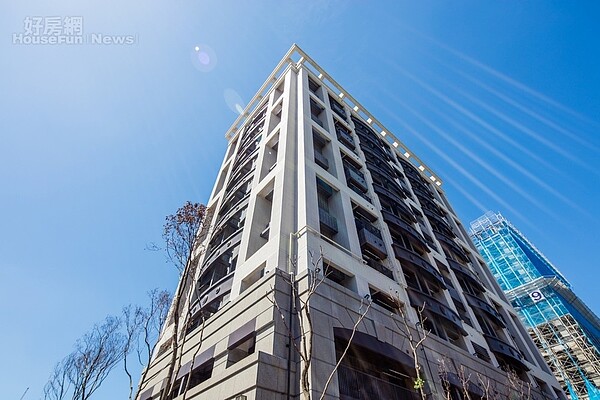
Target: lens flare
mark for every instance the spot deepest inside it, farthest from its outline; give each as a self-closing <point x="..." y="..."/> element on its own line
<point x="203" y="58"/>
<point x="234" y="101"/>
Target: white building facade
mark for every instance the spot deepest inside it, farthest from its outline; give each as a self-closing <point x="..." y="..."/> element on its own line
<point x="319" y="208"/>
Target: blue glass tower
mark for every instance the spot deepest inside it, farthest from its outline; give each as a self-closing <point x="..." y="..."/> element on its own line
<point x="565" y="330"/>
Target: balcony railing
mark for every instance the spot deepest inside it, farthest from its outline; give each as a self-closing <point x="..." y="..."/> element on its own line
<point x="337" y="108"/>
<point x="433" y="305"/>
<point x="507" y="352"/>
<point x="397" y="224"/>
<point x="374" y="150"/>
<point x="441" y="221"/>
<point x="466" y="273"/>
<point x="356" y="177"/>
<point x="382" y="167"/>
<point x="394" y="194"/>
<point x="369" y="238"/>
<point x="420" y="263"/>
<point x="317" y="119"/>
<point x="321" y="160"/>
<point x="328" y="221"/>
<point x="345" y="137"/>
<point x="358" y="385"/>
<point x="379" y="267"/>
<point x="419" y="192"/>
<point x="453" y="245"/>
<point x="482" y="305"/>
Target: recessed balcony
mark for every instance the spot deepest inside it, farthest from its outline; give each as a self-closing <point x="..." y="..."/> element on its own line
<point x="337" y="108"/>
<point x="409" y="169"/>
<point x="328" y="222"/>
<point x="370" y="240"/>
<point x="482" y="305"/>
<point x="373" y="150"/>
<point x="345" y="137"/>
<point x="368" y="136"/>
<point x="506" y="352"/>
<point x="420" y="193"/>
<point x="433" y="305"/>
<point x="356" y="178"/>
<point x="321" y="160"/>
<point x="452" y="245"/>
<point x="405" y="255"/>
<point x="393" y="193"/>
<point x="397" y="224"/>
<point x="441" y="222"/>
<point x="383" y="168"/>
<point x="466" y="273"/>
<point x="379" y="267"/>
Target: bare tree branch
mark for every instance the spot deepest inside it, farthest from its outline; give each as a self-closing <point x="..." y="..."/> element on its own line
<point x="95" y="355"/>
<point x="180" y="233"/>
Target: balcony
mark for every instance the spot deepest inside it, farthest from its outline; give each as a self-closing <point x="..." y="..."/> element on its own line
<point x="409" y="169"/>
<point x="321" y="160"/>
<point x="328" y="222"/>
<point x="506" y="352"/>
<point x="368" y="137"/>
<point x="345" y="137"/>
<point x="397" y="224"/>
<point x="228" y="243"/>
<point x="482" y="305"/>
<point x="375" y="151"/>
<point x="370" y="240"/>
<point x="394" y="196"/>
<point x="430" y="205"/>
<point x="359" y="191"/>
<point x="379" y="267"/>
<point x="356" y="178"/>
<point x="213" y="273"/>
<point x="440" y="221"/>
<point x="337" y="108"/>
<point x="358" y="385"/>
<point x="420" y="263"/>
<point x="466" y="273"/>
<point x="420" y="299"/>
<point x="420" y="192"/>
<point x="383" y="168"/>
<point x="453" y="246"/>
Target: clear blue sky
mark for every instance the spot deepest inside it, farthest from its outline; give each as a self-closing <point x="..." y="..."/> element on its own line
<point x="99" y="143"/>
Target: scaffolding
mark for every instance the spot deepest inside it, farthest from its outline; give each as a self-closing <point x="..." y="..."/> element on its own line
<point x="545" y="303"/>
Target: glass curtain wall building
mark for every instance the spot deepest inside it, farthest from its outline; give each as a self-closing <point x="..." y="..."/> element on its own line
<point x="565" y="330"/>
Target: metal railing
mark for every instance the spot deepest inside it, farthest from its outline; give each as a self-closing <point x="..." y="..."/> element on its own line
<point x="358" y="385"/>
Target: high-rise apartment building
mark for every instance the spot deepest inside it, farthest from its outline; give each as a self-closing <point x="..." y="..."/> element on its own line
<point x="565" y="330"/>
<point x="324" y="238"/>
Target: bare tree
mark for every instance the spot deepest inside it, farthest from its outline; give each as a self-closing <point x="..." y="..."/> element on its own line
<point x="517" y="388"/>
<point x="180" y="233"/>
<point x="486" y="385"/>
<point x="153" y="319"/>
<point x="57" y="387"/>
<point x="303" y="345"/>
<point x="443" y="372"/>
<point x="198" y="347"/>
<point x="362" y="314"/>
<point x="414" y="342"/>
<point x="133" y="318"/>
<point x="95" y="355"/>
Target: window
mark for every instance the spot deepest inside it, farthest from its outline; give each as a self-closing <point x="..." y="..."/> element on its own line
<point x="385" y="300"/>
<point x="241" y="351"/>
<point x="202" y="373"/>
<point x="241" y="343"/>
<point x="335" y="275"/>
